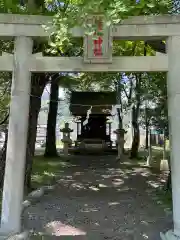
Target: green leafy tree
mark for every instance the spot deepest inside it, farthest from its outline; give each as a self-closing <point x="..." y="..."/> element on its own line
<point x="67" y="15"/>
<point x="76" y="12"/>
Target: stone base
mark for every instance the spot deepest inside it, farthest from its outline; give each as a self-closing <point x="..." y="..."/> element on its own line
<point x="164" y="165"/>
<point x="3" y="236"/>
<point x="13" y="236"/>
<point x="169" y="236"/>
<point x="21" y="236"/>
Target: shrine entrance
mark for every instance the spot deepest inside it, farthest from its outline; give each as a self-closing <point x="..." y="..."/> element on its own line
<point x="94" y="130"/>
<point x="22" y="63"/>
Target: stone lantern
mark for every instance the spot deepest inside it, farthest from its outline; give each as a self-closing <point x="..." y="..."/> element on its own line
<point x="120" y="141"/>
<point x="66" y="138"/>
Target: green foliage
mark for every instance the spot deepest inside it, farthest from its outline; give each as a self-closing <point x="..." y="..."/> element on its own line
<point x="5" y="82"/>
<point x="9" y="6"/>
<point x="72" y="13"/>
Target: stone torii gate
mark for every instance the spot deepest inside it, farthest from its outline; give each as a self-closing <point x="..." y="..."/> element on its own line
<point x="24" y="29"/>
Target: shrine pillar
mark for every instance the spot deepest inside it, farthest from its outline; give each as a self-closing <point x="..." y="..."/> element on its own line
<point x="17" y="138"/>
<point x="173" y="89"/>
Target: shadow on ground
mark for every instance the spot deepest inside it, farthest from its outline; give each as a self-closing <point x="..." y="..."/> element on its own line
<point x="98" y="198"/>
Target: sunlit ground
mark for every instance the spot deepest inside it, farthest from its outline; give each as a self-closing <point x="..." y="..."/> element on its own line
<point x="47" y="171"/>
<point x="98" y="197"/>
<point x="161" y="196"/>
<point x="57" y="228"/>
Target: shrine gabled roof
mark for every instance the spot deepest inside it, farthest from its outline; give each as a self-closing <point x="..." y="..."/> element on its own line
<point x="80" y="102"/>
<point x="93" y="98"/>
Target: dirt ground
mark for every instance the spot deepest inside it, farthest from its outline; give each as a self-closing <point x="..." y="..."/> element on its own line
<point x="97" y="198"/>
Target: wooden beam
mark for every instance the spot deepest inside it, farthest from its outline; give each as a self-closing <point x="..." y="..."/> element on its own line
<point x="16" y="30"/>
<point x="132" y="20"/>
<point x="140" y="27"/>
<point x="119" y="64"/>
<point x="39" y="63"/>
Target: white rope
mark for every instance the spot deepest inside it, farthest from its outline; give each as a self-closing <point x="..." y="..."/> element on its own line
<point x="87" y="116"/>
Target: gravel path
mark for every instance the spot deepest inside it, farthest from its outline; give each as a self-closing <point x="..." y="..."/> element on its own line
<point x="100" y="199"/>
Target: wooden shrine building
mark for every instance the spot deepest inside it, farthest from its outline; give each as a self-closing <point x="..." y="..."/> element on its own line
<point x="93" y="131"/>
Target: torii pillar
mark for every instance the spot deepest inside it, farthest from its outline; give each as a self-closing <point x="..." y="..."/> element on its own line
<point x="173" y="87"/>
<point x="17" y="138"/>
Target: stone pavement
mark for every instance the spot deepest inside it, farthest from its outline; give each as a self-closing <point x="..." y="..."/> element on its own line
<point x="98" y="198"/>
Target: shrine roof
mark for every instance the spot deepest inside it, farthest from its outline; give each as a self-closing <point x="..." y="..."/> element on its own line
<point x="80" y="102"/>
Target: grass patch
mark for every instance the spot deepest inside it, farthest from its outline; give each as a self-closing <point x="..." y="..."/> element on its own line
<point x="45" y="171"/>
<point x="164" y="198"/>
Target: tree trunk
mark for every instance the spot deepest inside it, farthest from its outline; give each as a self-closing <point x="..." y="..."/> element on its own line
<point x="147" y="133"/>
<point x="38" y="83"/>
<point x="136" y="137"/>
<point x="120" y="123"/>
<point x="149" y="157"/>
<point x="164" y="146"/>
<point x="51" y="150"/>
<point x="35" y="104"/>
<point x="3" y="159"/>
<point x="119" y="102"/>
<point x="147" y="128"/>
<point x="135" y="144"/>
<point x="168" y="184"/>
<point x="135" y="115"/>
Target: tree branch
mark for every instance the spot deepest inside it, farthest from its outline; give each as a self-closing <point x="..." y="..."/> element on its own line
<point x="125" y="91"/>
<point x="4" y="120"/>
